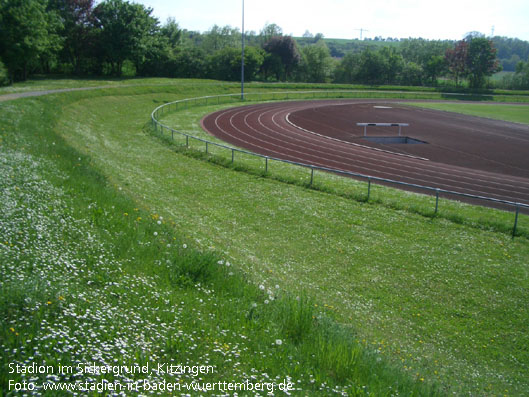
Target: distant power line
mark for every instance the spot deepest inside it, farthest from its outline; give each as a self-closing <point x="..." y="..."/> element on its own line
<point x="362" y="31"/>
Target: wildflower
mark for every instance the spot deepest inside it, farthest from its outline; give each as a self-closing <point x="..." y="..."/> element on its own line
<point x="12" y="329"/>
<point x="262" y="287"/>
<point x="159" y="222"/>
<point x="61" y="298"/>
<point x="184" y="246"/>
<point x="126" y="214"/>
<point x="155" y="233"/>
<point x="49" y="302"/>
<point x="279" y="342"/>
<point x="266" y="301"/>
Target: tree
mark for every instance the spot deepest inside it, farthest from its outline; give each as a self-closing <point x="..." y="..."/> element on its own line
<point x="272" y="66"/>
<point x="188" y="61"/>
<point x="434" y="68"/>
<point x="456" y="59"/>
<point x="124" y="30"/>
<point x="522" y="73"/>
<point x="172" y="31"/>
<point x="219" y="38"/>
<point x="77" y="32"/>
<point x="392" y="64"/>
<point x="475" y="58"/>
<point x="226" y="64"/>
<point x="371" y="67"/>
<point x="269" y="31"/>
<point x="412" y="74"/>
<point x="481" y="60"/>
<point x="347" y="70"/>
<point x="317" y="63"/>
<point x="28" y="34"/>
<point x="427" y="54"/>
<point x="285" y="48"/>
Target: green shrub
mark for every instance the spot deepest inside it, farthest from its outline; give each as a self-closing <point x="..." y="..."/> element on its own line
<point x="4" y="74"/>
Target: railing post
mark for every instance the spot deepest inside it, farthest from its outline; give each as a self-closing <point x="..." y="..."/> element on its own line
<point x="515" y="220"/>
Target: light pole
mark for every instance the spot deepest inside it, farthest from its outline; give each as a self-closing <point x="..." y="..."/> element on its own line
<point x="242" y="56"/>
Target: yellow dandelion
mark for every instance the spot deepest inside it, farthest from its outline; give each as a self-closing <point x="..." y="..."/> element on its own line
<point x="49" y="302"/>
<point x="61" y="298"/>
<point x="12" y="329"/>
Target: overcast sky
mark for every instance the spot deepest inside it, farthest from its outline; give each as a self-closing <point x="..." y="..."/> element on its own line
<point x="447" y="19"/>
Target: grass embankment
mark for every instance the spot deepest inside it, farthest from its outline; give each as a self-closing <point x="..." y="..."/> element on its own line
<point x="444" y="302"/>
<point x="92" y="275"/>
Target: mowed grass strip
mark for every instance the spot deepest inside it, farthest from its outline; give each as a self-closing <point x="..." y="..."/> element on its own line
<point x="505" y="112"/>
<point x="444" y="301"/>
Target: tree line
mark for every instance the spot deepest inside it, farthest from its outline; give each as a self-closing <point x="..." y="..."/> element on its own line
<point x="117" y="37"/>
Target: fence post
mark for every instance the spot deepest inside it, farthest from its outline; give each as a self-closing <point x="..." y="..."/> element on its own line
<point x="206" y="147"/>
<point x="187" y="140"/>
<point x="232" y="155"/>
<point x="515" y="220"/>
<point x="266" y="164"/>
<point x="436" y="200"/>
<point x="368" y="188"/>
<point x="311" y="176"/>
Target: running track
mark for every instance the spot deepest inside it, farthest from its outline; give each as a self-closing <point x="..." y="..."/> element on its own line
<point x="464" y="154"/>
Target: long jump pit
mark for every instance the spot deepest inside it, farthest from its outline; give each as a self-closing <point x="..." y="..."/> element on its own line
<point x="387" y="139"/>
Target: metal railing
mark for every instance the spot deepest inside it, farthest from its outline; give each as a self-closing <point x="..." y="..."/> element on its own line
<point x="216" y="99"/>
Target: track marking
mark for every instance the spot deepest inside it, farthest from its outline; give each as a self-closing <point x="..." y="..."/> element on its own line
<point x="352" y="143"/>
<point x="264" y="135"/>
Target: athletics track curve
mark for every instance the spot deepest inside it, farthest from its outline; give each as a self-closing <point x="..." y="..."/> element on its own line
<point x="465" y="154"/>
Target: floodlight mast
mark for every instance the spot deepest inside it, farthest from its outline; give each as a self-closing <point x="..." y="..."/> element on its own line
<point x="242" y="55"/>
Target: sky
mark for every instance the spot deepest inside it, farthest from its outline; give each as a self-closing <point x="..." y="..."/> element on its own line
<point x="447" y="19"/>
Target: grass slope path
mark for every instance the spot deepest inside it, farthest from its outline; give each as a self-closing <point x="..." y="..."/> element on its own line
<point x="30" y="94"/>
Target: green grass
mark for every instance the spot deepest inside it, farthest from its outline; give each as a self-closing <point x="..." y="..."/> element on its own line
<point x="505" y="112"/>
<point x="187" y="120"/>
<point x="91" y="274"/>
<point x="422" y="301"/>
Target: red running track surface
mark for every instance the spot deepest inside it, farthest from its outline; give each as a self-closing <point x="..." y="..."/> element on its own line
<point x="465" y="154"/>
